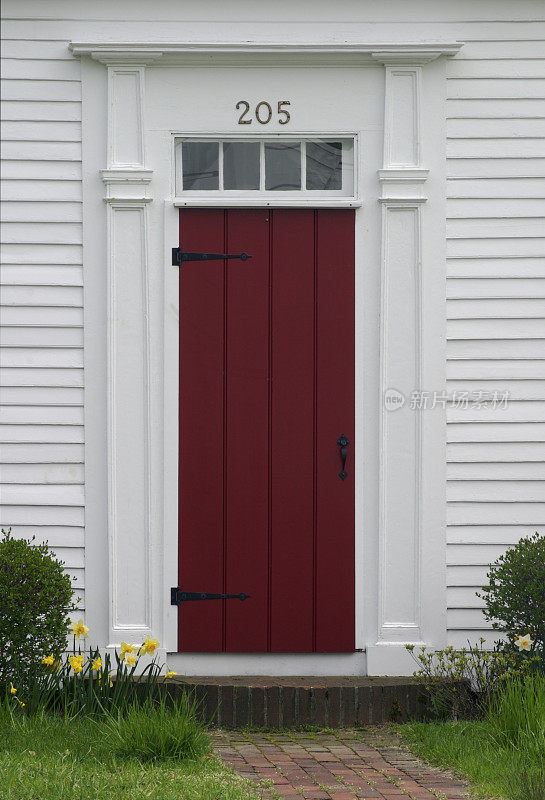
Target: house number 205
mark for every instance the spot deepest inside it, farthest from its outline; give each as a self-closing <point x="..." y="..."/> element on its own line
<point x="263" y="112"/>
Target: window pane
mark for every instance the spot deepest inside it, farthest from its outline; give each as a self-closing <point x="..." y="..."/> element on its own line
<point x="282" y="166"/>
<point x="241" y="165"/>
<point x="200" y="163"/>
<point x="324" y="165"/>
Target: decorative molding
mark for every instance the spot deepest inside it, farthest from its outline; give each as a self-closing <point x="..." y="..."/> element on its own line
<point x="126" y="117"/>
<point x="127" y="175"/>
<point x="402" y="185"/>
<point x="402" y="202"/>
<point x="214" y="53"/>
<point x="261" y="202"/>
<point x="127" y="183"/>
<point x="402" y="174"/>
<point x="411" y="526"/>
<point x="402" y="116"/>
<point x="416" y="56"/>
<point x="128" y="422"/>
<point x="400" y="426"/>
<point x="122" y="185"/>
<point x="133" y="57"/>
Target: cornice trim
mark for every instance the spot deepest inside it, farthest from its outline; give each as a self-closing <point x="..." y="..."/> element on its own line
<point x="185" y="52"/>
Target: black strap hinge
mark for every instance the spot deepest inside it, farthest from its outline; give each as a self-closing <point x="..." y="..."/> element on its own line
<point x="179" y="256"/>
<point x="177" y="596"/>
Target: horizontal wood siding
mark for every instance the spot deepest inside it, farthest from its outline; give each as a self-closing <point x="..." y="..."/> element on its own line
<point x="496" y="315"/>
<point x="41" y="410"/>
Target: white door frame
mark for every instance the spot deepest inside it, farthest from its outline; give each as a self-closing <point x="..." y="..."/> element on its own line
<point x="404" y="597"/>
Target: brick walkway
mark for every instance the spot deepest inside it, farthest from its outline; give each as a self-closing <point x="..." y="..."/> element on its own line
<point x="340" y="765"/>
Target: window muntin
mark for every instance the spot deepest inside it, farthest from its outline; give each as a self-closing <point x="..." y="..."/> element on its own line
<point x="312" y="168"/>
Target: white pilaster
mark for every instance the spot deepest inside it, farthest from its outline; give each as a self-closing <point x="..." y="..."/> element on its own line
<point x="130" y="529"/>
<point x="411" y="468"/>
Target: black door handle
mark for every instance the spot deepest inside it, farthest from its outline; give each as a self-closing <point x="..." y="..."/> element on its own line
<point x="343" y="443"/>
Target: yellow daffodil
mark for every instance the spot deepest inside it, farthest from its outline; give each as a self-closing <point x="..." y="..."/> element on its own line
<point x="149" y="646"/>
<point x="126" y="649"/>
<point x="12" y="689"/>
<point x="76" y="662"/>
<point x="79" y="629"/>
<point x="171" y="673"/>
<point x="130" y="659"/>
<point x="523" y="642"/>
<point x="97" y="663"/>
<point x="48" y="661"/>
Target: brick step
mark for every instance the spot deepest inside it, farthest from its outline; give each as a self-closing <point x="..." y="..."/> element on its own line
<point x="262" y="702"/>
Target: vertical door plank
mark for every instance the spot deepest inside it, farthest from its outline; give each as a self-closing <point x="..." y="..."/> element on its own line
<point x="247" y="417"/>
<point x="335" y="415"/>
<point x="201" y="430"/>
<point x="292" y="431"/>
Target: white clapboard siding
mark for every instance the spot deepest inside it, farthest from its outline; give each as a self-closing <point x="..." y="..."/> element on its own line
<point x="50" y="415"/>
<point x="42" y="190"/>
<point x="41" y="377"/>
<point x="495" y="189"/>
<point x="499" y="208"/>
<point x="41" y="112"/>
<point x="42" y="395"/>
<point x="42" y="473"/>
<point x="504" y="451"/>
<point x="56" y="171"/>
<point x="42" y="211"/>
<point x="504" y="168"/>
<point x="496" y="471"/>
<point x="511" y="127"/>
<point x="56" y="536"/>
<point x="505" y="535"/>
<point x="41" y="357"/>
<point x="41" y="337"/>
<point x="483" y="108"/>
<point x="517" y="389"/>
<point x="43" y="316"/>
<point x="41" y="413"/>
<point x="41" y="90"/>
<point x="496" y="316"/>
<point x="37" y="275"/>
<point x="38" y="130"/>
<point x="58" y="253"/>
<point x="40" y="453"/>
<point x="55" y="295"/>
<point x="496" y="348"/>
<point x="47" y="69"/>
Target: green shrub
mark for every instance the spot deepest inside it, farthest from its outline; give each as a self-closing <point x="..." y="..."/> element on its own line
<point x="35" y="601"/>
<point x="515" y="594"/>
<point x="461" y="682"/>
<point x="159" y="731"/>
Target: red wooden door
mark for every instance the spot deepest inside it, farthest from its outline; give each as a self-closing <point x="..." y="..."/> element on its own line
<point x="266" y="389"/>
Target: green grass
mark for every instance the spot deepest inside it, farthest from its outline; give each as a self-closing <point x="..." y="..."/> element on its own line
<point x="503" y="755"/>
<point x="52" y="758"/>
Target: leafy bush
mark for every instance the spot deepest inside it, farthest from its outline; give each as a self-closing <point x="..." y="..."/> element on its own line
<point x="461" y="682"/>
<point x="515" y="594"/>
<point x="35" y="601"/>
<point x="158" y="732"/>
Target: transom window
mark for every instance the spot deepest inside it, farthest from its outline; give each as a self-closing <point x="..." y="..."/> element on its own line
<point x="277" y="166"/>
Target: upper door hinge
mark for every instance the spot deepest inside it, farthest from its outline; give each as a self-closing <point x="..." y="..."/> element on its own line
<point x="179" y="256"/>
